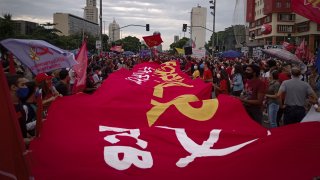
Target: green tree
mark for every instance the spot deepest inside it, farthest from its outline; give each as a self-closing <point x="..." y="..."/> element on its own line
<point x="105" y="40"/>
<point x="45" y="32"/>
<point x="222" y="39"/>
<point x="130" y="43"/>
<point x="6" y="27"/>
<point x="179" y="44"/>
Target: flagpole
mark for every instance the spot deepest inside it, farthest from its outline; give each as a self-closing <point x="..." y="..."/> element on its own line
<point x="100" y="37"/>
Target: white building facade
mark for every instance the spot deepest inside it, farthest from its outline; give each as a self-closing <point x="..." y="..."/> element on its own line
<point x="70" y="24"/>
<point x="91" y="11"/>
<point x="198" y="25"/>
<point x="114" y="31"/>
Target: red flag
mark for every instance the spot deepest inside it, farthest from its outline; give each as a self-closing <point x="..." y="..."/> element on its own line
<point x="287" y="46"/>
<point x="116" y="48"/>
<point x="12" y="68"/>
<point x="193" y="44"/>
<point x="155" y="119"/>
<point x="307" y="8"/>
<point x="301" y="50"/>
<point x="13" y="163"/>
<point x="154" y="40"/>
<point x="81" y="68"/>
<point x="39" y="114"/>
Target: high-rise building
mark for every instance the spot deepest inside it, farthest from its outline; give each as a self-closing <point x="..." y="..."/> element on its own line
<point x="286" y="25"/>
<point x="24" y="27"/>
<point x="91" y="11"/>
<point x="70" y="24"/>
<point x="198" y="25"/>
<point x="114" y="31"/>
<point x="176" y="39"/>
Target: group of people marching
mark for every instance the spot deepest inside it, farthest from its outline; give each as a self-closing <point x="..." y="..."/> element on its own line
<point x="272" y="91"/>
<point x="264" y="86"/>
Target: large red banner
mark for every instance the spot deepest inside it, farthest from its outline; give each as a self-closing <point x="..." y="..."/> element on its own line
<point x="307" y="8"/>
<point x="154" y="122"/>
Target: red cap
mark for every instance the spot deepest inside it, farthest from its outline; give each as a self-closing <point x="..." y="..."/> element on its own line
<point x="42" y="76"/>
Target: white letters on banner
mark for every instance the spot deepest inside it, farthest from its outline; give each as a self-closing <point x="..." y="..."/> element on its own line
<point x="142" y="75"/>
<point x="131" y="155"/>
<point x="203" y="150"/>
<point x="143" y="159"/>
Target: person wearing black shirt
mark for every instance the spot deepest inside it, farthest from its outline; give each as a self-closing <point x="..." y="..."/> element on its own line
<point x="63" y="86"/>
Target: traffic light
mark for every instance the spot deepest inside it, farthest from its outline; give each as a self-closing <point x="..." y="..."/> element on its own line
<point x="289" y="36"/>
<point x="184" y="27"/>
<point x="147" y="27"/>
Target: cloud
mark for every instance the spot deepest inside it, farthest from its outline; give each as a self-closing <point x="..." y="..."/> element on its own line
<point x="165" y="16"/>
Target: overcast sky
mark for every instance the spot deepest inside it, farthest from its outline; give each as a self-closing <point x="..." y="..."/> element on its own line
<point x="165" y="16"/>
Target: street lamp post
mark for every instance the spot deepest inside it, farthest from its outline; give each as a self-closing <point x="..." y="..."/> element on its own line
<point x="213" y="13"/>
<point x="100" y="36"/>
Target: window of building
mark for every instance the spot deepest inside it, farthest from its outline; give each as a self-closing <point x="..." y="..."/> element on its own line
<point x="278" y="4"/>
<point x="258" y="32"/>
<point x="285" y="28"/>
<point x="303" y="27"/>
<point x="258" y="22"/>
<point x="288" y="4"/>
<point x="268" y="19"/>
<point x="252" y="25"/>
<point x="286" y="17"/>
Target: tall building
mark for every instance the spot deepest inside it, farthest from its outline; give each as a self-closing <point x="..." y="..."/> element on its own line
<point x="24" y="27"/>
<point x="198" y="25"/>
<point x="114" y="31"/>
<point x="91" y="11"/>
<point x="286" y="25"/>
<point x="70" y="24"/>
<point x="176" y="39"/>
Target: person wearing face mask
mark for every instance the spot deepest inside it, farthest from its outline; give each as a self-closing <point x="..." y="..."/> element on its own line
<point x="30" y="108"/>
<point x="196" y="72"/>
<point x="224" y="83"/>
<point x="19" y="90"/>
<point x="253" y="94"/>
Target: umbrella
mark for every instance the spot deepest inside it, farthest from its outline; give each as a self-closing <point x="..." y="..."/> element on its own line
<point x="286" y="56"/>
<point x="282" y="54"/>
<point x="40" y="56"/>
<point x="231" y="54"/>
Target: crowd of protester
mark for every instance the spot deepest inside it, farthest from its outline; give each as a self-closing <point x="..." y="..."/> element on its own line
<point x="273" y="92"/>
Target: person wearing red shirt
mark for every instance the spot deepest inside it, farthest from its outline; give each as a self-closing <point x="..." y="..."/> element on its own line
<point x="224" y="83"/>
<point x="254" y="92"/>
<point x="207" y="74"/>
<point x="285" y="73"/>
